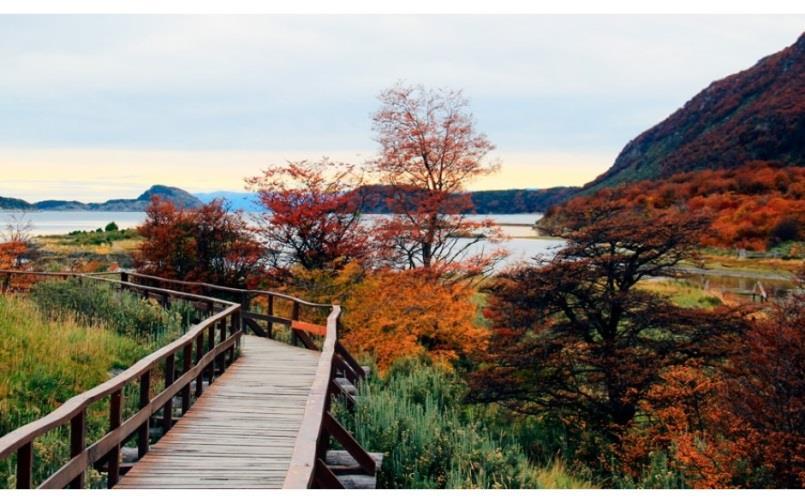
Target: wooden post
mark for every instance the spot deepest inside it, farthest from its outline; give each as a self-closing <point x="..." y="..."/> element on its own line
<point x="78" y="440"/>
<point x="115" y="418"/>
<point x="244" y="307"/>
<point x="210" y="346"/>
<point x="294" y="317"/>
<point x="187" y="363"/>
<point x="233" y="328"/>
<point x="270" y="313"/>
<point x="167" y="410"/>
<point x="124" y="278"/>
<point x="219" y="361"/>
<point x="199" y="355"/>
<point x="145" y="398"/>
<point x="25" y="463"/>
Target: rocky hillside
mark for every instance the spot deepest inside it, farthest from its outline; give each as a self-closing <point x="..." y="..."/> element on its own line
<point x="757" y="114"/>
<point x="177" y="196"/>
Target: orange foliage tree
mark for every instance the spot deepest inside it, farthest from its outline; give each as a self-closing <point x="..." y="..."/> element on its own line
<point x="208" y="244"/>
<point x="752" y="207"/>
<point x="393" y="315"/>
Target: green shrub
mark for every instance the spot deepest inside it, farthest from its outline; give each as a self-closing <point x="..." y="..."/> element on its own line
<point x="94" y="302"/>
<point x="431" y="440"/>
<point x="43" y="363"/>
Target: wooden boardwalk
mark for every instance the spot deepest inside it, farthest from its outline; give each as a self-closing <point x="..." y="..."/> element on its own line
<point x="241" y="432"/>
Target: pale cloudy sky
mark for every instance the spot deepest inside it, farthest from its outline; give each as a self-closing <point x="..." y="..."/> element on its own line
<point x="95" y="107"/>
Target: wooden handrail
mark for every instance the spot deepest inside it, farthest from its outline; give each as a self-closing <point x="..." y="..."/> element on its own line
<point x="231" y="290"/>
<point x="307" y="467"/>
<point x="317" y="424"/>
<point x="303" y="460"/>
<point x="73" y="411"/>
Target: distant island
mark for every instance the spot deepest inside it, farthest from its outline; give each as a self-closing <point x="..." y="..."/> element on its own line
<point x="519" y="200"/>
<point x="177" y="196"/>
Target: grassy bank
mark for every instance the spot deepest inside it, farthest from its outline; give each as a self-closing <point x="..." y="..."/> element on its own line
<point x="43" y="363"/>
<point x="416" y="417"/>
<point x="63" y="339"/>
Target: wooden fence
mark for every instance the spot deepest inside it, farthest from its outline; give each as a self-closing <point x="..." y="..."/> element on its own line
<point x="207" y="349"/>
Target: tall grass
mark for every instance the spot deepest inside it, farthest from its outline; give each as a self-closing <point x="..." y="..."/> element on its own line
<point x="45" y="362"/>
<point x="125" y="313"/>
<point x="416" y="417"/>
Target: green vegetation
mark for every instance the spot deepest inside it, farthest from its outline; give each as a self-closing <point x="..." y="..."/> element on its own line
<point x="100" y="236"/>
<point x="682" y="293"/>
<point x="93" y="302"/>
<point x="416" y="417"/>
<point x="45" y="362"/>
<point x="68" y="337"/>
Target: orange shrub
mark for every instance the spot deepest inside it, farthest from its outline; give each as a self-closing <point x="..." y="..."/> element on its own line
<point x="393" y="315"/>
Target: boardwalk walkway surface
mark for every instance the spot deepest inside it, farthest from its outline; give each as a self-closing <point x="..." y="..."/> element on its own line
<point x="241" y="432"/>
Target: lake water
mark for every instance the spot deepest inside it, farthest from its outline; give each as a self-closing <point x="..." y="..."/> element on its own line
<point x="523" y="244"/>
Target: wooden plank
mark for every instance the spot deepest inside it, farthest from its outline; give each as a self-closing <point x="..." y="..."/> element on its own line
<point x="242" y="431"/>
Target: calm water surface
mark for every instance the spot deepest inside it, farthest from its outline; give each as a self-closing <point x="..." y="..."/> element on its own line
<point x="523" y="244"/>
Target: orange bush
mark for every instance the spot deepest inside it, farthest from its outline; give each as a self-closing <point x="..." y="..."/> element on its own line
<point x="393" y="315"/>
<point x="750" y="206"/>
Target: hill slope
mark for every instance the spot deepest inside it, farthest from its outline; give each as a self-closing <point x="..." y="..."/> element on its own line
<point x="757" y="114"/>
<point x="177" y="196"/>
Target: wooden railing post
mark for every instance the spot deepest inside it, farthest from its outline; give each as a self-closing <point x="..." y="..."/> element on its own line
<point x="78" y="440"/>
<point x="143" y="432"/>
<point x="187" y="363"/>
<point x="115" y="418"/>
<point x="167" y="410"/>
<point x="199" y="355"/>
<point x="294" y="317"/>
<point x="221" y="359"/>
<point x="244" y="307"/>
<point x="210" y="346"/>
<point x="25" y="464"/>
<point x="234" y="327"/>
<point x="270" y="312"/>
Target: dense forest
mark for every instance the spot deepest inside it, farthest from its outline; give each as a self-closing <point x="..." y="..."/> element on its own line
<point x="757" y="206"/>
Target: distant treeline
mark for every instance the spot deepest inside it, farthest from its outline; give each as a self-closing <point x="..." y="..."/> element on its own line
<point x="485" y="201"/>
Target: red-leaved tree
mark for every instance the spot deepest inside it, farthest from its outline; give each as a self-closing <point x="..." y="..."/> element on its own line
<point x="312" y="215"/>
<point x="208" y="244"/>
<point x="429" y="151"/>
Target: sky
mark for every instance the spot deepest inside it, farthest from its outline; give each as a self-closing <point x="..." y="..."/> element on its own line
<point x="94" y="107"/>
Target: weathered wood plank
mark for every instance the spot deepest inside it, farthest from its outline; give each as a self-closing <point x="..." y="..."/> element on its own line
<point x="242" y="430"/>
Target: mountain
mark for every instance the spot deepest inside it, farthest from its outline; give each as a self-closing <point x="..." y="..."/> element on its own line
<point x="755" y="115"/>
<point x="177" y="196"/>
<point x="15" y="204"/>
<point x="520" y="200"/>
<point x="236" y="201"/>
<point x="515" y="200"/>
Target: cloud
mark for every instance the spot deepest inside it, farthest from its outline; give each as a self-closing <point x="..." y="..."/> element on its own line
<point x="581" y="85"/>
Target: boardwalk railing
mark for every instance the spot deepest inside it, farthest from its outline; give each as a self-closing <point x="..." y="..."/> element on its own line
<point x="308" y="468"/>
<point x="272" y="305"/>
<point x="206" y="349"/>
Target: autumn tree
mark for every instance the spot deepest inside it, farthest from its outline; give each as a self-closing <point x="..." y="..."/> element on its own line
<point x="765" y="391"/>
<point x="429" y="151"/>
<point x="311" y="215"/>
<point x="397" y="314"/>
<point x="208" y="244"/>
<point x="739" y="424"/>
<point x="17" y="247"/>
<point x="573" y="336"/>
